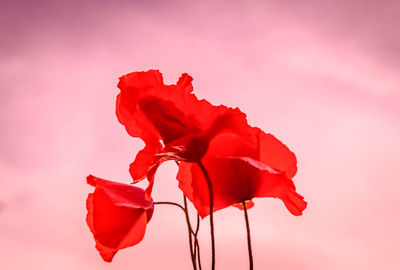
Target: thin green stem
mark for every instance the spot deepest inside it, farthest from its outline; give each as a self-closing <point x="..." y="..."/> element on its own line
<point x="211" y="195"/>
<point x="246" y="217"/>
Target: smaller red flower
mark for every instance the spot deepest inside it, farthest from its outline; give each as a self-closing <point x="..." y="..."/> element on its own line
<point x="117" y="215"/>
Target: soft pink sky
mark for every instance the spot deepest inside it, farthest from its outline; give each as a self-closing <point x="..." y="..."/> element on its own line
<point x="322" y="76"/>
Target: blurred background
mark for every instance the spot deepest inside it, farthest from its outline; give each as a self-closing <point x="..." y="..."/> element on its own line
<point x="322" y="76"/>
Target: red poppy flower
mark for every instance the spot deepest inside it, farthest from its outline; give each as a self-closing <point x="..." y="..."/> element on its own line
<point x="174" y="124"/>
<point x="117" y="215"/>
<point x="240" y="169"/>
<point x="171" y="121"/>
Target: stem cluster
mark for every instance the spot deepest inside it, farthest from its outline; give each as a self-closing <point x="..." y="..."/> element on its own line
<point x="193" y="239"/>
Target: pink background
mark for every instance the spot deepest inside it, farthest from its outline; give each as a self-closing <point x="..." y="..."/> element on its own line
<point x="322" y="76"/>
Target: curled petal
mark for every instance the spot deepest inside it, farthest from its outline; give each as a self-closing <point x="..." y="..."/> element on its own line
<point x="117" y="215"/>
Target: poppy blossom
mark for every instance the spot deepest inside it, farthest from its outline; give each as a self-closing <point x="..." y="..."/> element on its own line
<point x="174" y="124"/>
<point x="170" y="120"/>
<point x="240" y="169"/>
<point x="117" y="215"/>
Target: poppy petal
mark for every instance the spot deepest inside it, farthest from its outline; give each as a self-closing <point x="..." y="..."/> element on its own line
<point x="106" y="253"/>
<point x="170" y="121"/>
<point x="256" y="144"/>
<point x="185" y="82"/>
<point x="192" y="147"/>
<point x="275" y="154"/>
<point x="144" y="160"/>
<point x="235" y="180"/>
<point x="117" y="215"/>
<point x="133" y="86"/>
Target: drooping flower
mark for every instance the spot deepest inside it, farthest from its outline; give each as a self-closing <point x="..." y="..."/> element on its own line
<point x="171" y="121"/>
<point x="117" y="215"/>
<point x="241" y="168"/>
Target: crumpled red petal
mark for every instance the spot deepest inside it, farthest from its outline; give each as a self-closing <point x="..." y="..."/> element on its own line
<point x="146" y="103"/>
<point x="133" y="86"/>
<point x="117" y="215"/>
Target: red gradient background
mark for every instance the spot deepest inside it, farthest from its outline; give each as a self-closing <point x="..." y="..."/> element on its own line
<point x="322" y="76"/>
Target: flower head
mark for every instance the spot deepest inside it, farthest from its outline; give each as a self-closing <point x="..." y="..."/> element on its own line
<point x="117" y="215"/>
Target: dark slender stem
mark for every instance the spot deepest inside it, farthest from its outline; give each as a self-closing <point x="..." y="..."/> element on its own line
<point x="246" y="217"/>
<point x="197" y="225"/>
<point x="184" y="209"/>
<point x="211" y="195"/>
<point x="196" y="243"/>
<point x="190" y="231"/>
<point x="171" y="203"/>
<point x="195" y="251"/>
<point x="197" y="247"/>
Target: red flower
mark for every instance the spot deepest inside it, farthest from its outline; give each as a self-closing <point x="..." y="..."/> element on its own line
<point x="241" y="168"/>
<point x="117" y="215"/>
<point x="171" y="121"/>
<point x="243" y="162"/>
